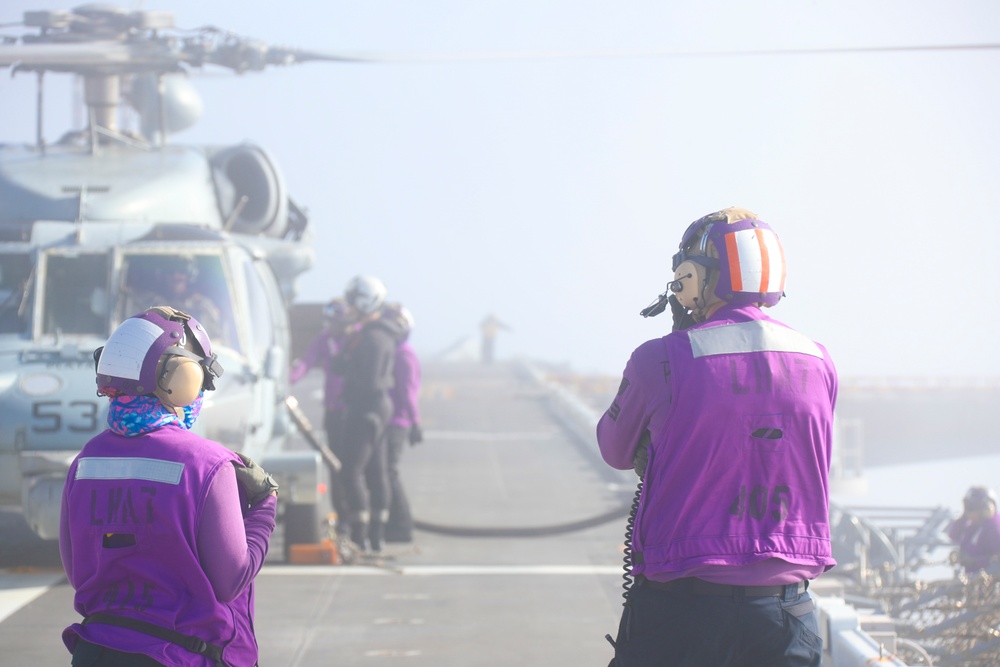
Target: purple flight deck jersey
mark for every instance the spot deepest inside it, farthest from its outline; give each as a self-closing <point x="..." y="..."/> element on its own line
<point x="978" y="541"/>
<point x="153" y="487"/>
<point x="739" y="410"/>
<point x="405" y="392"/>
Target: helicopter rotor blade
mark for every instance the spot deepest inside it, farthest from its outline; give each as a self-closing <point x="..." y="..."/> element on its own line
<point x="285" y="56"/>
<point x="98" y="39"/>
<point x="117" y="57"/>
<point x="648" y="53"/>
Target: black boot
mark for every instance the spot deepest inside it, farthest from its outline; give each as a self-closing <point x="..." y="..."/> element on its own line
<point x="376" y="535"/>
<point x="359" y="534"/>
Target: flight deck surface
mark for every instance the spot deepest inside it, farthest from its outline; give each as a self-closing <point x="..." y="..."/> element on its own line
<point x="495" y="459"/>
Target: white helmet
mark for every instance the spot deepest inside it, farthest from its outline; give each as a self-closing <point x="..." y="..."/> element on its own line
<point x="402" y="316"/>
<point x="365" y="294"/>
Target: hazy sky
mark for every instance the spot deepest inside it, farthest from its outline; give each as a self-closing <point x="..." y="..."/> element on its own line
<point x="552" y="191"/>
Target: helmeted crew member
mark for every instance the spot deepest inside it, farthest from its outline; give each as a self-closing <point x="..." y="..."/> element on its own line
<point x="728" y="420"/>
<point x="162" y="531"/>
<point x="322" y="351"/>
<point x="174" y="280"/>
<point x="977" y="531"/>
<point x="366" y="362"/>
<point x="404" y="425"/>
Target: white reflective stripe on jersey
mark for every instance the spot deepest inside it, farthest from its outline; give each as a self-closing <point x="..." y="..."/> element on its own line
<point x="153" y="470"/>
<point x="756" y="336"/>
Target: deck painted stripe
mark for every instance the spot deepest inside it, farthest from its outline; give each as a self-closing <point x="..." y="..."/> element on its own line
<point x="440" y="570"/>
<point x="484" y="436"/>
<point x="18" y="590"/>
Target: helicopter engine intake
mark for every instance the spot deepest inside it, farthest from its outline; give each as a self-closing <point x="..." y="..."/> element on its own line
<point x="251" y="191"/>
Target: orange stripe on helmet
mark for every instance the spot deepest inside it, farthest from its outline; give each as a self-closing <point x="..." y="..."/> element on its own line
<point x="733" y="258"/>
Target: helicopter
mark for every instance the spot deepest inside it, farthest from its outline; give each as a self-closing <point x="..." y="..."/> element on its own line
<point x="107" y="221"/>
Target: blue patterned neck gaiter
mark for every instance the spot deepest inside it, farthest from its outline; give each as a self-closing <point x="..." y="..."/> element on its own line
<point x="135" y="415"/>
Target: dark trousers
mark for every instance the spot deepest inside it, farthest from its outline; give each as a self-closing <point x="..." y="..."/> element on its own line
<point x="400" y="525"/>
<point x="683" y="629"/>
<point x="333" y="424"/>
<point x="365" y="476"/>
<point x="92" y="655"/>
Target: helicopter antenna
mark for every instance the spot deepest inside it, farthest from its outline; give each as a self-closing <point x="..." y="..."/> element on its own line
<point x="237" y="210"/>
<point x="161" y="102"/>
<point x="39" y="96"/>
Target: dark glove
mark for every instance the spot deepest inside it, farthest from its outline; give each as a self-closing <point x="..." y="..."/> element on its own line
<point x="257" y="483"/>
<point x="641" y="457"/>
<point x="416" y="435"/>
<point x="682" y="316"/>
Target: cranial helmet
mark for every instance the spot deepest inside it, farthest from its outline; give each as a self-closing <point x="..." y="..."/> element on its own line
<point x="402" y="316"/>
<point x="980" y="499"/>
<point x="365" y="294"/>
<point x="162" y="352"/>
<point x="730" y="255"/>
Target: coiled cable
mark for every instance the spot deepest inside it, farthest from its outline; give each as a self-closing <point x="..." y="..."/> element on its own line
<point x="627" y="557"/>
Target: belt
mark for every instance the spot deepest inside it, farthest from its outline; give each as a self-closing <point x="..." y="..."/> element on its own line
<point x="695" y="586"/>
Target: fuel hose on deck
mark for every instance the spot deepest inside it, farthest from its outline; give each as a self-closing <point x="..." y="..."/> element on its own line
<point x="334" y="464"/>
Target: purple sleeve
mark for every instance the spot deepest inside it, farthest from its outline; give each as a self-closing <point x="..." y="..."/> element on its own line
<point x="622" y="424"/>
<point x="232" y="547"/>
<point x="317" y="350"/>
<point x="65" y="544"/>
<point x="955" y="529"/>
<point x="415" y="389"/>
<point x="992" y="537"/>
<point x="407" y="378"/>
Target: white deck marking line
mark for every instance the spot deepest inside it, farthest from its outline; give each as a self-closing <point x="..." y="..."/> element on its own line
<point x="484" y="436"/>
<point x="17" y="590"/>
<point x="441" y="570"/>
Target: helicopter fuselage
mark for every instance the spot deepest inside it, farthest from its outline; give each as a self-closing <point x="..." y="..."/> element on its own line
<point x="89" y="238"/>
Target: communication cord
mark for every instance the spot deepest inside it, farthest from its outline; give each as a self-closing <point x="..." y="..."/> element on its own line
<point x="627" y="553"/>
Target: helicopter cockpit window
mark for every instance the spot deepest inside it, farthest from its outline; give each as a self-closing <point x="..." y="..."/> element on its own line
<point x="194" y="284"/>
<point x="15" y="277"/>
<point x="260" y="314"/>
<point x="75" y="297"/>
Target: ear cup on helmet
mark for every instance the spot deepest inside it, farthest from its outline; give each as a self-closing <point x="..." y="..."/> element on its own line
<point x="179" y="381"/>
<point x="691" y="275"/>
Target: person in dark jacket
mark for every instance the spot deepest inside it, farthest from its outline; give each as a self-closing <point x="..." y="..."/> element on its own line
<point x="162" y="532"/>
<point x="366" y="362"/>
